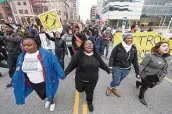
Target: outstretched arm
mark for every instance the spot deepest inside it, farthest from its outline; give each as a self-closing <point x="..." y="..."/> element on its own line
<point x="49" y="37"/>
<point x="73" y="64"/>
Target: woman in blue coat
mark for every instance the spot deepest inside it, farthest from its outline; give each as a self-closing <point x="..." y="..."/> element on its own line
<point x="37" y="69"/>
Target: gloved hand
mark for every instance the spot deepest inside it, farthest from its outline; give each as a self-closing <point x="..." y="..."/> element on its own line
<point x="138" y="76"/>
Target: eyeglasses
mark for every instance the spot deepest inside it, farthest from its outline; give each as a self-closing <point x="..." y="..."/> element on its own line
<point x="88" y="44"/>
<point x="129" y="38"/>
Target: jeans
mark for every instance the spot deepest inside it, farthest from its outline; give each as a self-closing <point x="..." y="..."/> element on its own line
<point x="118" y="74"/>
<point x="60" y="58"/>
<point x="107" y="50"/>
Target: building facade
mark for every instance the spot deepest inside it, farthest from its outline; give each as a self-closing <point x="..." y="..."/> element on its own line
<point x="6" y="13"/>
<point x="114" y="11"/>
<point x="62" y="7"/>
<point x="22" y="11"/>
<point x="93" y="12"/>
<point x="100" y="5"/>
<point x="156" y="12"/>
<point x="27" y="11"/>
<point x="71" y="11"/>
<point x="76" y="9"/>
<point x="40" y="6"/>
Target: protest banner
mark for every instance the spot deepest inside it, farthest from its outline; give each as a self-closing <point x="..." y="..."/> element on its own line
<point x="144" y="41"/>
<point x="45" y="42"/>
<point x="50" y="21"/>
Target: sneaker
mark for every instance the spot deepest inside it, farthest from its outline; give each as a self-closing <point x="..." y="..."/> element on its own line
<point x="52" y="107"/>
<point x="47" y="104"/>
<point x="90" y="107"/>
<point x="116" y="92"/>
<point x="142" y="100"/>
<point x="108" y="91"/>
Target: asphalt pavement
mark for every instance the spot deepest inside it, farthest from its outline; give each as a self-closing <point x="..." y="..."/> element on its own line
<point x="68" y="101"/>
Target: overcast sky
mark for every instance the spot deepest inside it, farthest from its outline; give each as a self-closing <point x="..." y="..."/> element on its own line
<point x="84" y="8"/>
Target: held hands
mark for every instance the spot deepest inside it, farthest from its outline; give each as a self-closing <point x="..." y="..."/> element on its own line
<point x="110" y="69"/>
<point x="64" y="76"/>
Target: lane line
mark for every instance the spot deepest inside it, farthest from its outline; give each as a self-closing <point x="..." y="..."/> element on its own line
<point x="84" y="106"/>
<point x="84" y="109"/>
<point x="168" y="79"/>
<point x="76" y="104"/>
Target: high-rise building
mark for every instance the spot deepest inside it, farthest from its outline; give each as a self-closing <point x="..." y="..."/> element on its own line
<point x="93" y="12"/>
<point x="71" y="10"/>
<point x="114" y="11"/>
<point x="155" y="12"/>
<point x="76" y="9"/>
<point x="99" y="5"/>
<point x="6" y="13"/>
<point x="40" y="6"/>
<point x="61" y="7"/>
<point x="22" y="11"/>
<point x="26" y="11"/>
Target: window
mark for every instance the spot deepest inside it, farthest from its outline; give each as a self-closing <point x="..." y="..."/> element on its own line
<point x="59" y="12"/>
<point x="1" y="17"/>
<point x="26" y="11"/>
<point x="24" y="3"/>
<point x="21" y="11"/>
<point x="18" y="3"/>
<point x="7" y="9"/>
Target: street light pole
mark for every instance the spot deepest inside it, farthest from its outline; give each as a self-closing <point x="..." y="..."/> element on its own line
<point x="161" y="21"/>
<point x="165" y="19"/>
<point x="169" y="24"/>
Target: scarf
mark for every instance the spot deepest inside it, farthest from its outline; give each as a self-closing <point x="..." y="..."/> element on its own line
<point x="126" y="47"/>
<point x="89" y="54"/>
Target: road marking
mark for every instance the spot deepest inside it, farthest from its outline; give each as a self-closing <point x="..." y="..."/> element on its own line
<point x="76" y="104"/>
<point x="84" y="106"/>
<point x="168" y="79"/>
<point x="84" y="109"/>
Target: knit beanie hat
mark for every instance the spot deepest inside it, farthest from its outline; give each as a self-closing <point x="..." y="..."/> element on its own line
<point x="57" y="32"/>
<point x="126" y="36"/>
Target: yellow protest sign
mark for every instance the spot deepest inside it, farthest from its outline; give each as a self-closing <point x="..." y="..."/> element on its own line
<point x="50" y="21"/>
<point x="144" y="41"/>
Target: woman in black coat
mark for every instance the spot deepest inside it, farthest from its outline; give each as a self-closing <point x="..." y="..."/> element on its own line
<point x="87" y="63"/>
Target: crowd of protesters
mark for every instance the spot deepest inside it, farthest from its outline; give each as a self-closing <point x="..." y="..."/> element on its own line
<point x="32" y="67"/>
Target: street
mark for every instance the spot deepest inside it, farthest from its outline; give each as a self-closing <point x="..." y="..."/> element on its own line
<point x="68" y="101"/>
